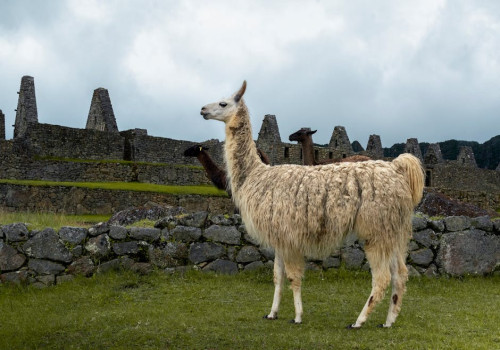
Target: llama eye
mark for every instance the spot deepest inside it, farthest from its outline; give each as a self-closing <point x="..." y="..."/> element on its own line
<point x="223" y="104"/>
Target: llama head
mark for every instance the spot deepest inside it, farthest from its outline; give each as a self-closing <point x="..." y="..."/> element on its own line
<point x="226" y="108"/>
<point x="301" y="135"/>
<point x="195" y="150"/>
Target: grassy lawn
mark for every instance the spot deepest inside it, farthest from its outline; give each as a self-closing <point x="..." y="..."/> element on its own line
<point x="204" y="190"/>
<point x="208" y="311"/>
<point x="41" y="220"/>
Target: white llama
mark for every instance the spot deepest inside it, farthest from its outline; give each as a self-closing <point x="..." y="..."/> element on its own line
<point x="307" y="211"/>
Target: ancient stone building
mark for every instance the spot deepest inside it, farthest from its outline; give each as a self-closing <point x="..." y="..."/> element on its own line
<point x="466" y="157"/>
<point x="413" y="148"/>
<point x="101" y="116"/>
<point x="2" y="125"/>
<point x="433" y="154"/>
<point x="26" y="111"/>
<point x="340" y="141"/>
<point x="374" y="147"/>
<point x="269" y="139"/>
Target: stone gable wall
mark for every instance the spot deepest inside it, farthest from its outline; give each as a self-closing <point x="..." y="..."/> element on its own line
<point x="454" y="246"/>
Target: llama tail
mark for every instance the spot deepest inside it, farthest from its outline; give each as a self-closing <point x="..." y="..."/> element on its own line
<point x="411" y="167"/>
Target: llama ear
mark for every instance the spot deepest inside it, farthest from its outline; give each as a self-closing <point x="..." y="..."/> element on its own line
<point x="240" y="93"/>
<point x="311" y="132"/>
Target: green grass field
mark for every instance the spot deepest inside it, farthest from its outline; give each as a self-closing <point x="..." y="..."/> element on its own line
<point x="208" y="311"/>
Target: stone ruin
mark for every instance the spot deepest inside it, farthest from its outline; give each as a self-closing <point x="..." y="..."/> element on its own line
<point x="101" y="140"/>
<point x="101" y="116"/>
<point x="2" y="125"/>
<point x="26" y="111"/>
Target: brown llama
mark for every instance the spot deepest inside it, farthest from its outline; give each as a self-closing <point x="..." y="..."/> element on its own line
<point x="215" y="174"/>
<point x="304" y="137"/>
<point x="307" y="211"/>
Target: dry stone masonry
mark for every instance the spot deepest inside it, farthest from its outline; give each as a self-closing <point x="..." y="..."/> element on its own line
<point x="454" y="246"/>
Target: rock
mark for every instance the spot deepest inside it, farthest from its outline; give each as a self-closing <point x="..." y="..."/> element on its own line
<point x="45" y="267"/>
<point x="250" y="239"/>
<point x="437" y="225"/>
<point x="223" y="234"/>
<point x="431" y="272"/>
<point x="82" y="266"/>
<point x="146" y="234"/>
<point x="352" y="257"/>
<point x="150" y="211"/>
<point x="222" y="266"/>
<point x="64" y="279"/>
<point x="422" y="257"/>
<point x="456" y="223"/>
<point x="47" y="245"/>
<point x="99" y="229"/>
<point x="118" y="232"/>
<point x="15" y="277"/>
<point x="413" y="246"/>
<point x="331" y="262"/>
<point x="427" y="238"/>
<point x="254" y="266"/>
<point x="99" y="246"/>
<point x="469" y="252"/>
<point x="220" y="220"/>
<point x="47" y="280"/>
<point x="142" y="268"/>
<point x="248" y="254"/>
<point x="206" y="251"/>
<point x="482" y="223"/>
<point x="112" y="265"/>
<point x="412" y="272"/>
<point x="185" y="234"/>
<point x="172" y="255"/>
<point x="123" y="248"/>
<point x="197" y="219"/>
<point x="267" y="252"/>
<point x="15" y="232"/>
<point x="496" y="225"/>
<point x="418" y="223"/>
<point x="73" y="235"/>
<point x="10" y="259"/>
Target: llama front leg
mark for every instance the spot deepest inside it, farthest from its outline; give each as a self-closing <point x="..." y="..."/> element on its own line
<point x="279" y="274"/>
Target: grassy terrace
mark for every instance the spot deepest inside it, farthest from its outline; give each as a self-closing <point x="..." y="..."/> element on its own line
<point x="204" y="190"/>
<point x="208" y="311"/>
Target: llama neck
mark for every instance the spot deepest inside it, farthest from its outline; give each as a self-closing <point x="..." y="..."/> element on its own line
<point x="216" y="174"/>
<point x="308" y="151"/>
<point x="241" y="152"/>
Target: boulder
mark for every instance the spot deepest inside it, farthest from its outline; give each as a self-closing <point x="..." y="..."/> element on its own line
<point x="47" y="245"/>
<point x="222" y="266"/>
<point x="197" y="219"/>
<point x="45" y="267"/>
<point x="99" y="246"/>
<point x="184" y="234"/>
<point x="145" y="234"/>
<point x="427" y="238"/>
<point x="352" y="257"/>
<point x="82" y="266"/>
<point x="469" y="252"/>
<point x="418" y="223"/>
<point x="223" y="234"/>
<point x="73" y="235"/>
<point x="422" y="257"/>
<point x="15" y="232"/>
<point x="456" y="223"/>
<point x="248" y="254"/>
<point x="118" y="232"/>
<point x="206" y="251"/>
<point x="172" y="255"/>
<point x="10" y="259"/>
<point x="482" y="223"/>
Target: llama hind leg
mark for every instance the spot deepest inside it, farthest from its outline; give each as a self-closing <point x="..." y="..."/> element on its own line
<point x="279" y="274"/>
<point x="381" y="277"/>
<point x="399" y="276"/>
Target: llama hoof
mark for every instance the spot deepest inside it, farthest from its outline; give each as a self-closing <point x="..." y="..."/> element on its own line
<point x="293" y="322"/>
<point x="383" y="326"/>
<point x="352" y="326"/>
<point x="267" y="317"/>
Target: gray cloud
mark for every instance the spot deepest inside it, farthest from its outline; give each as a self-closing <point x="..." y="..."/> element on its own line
<point x="428" y="70"/>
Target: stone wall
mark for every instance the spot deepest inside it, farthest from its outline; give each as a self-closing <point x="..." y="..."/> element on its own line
<point x="76" y="200"/>
<point x="454" y="246"/>
<point x="47" y="140"/>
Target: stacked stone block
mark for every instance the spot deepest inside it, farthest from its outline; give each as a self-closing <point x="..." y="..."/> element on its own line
<point x="413" y="148"/>
<point x="340" y="141"/>
<point x="466" y="157"/>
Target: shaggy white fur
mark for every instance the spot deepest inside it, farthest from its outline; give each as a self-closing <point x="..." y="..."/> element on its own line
<point x="307" y="211"/>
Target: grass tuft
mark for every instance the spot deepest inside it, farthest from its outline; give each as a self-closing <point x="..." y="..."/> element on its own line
<point x="41" y="220"/>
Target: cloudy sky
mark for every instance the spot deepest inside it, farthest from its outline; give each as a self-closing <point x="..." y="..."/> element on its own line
<point x="428" y="69"/>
